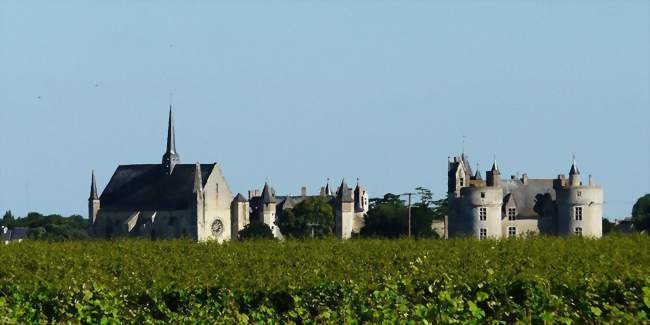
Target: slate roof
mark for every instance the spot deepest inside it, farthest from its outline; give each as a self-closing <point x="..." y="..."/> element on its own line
<point x="344" y="193"/>
<point x="17" y="233"/>
<point x="148" y="187"/>
<point x="267" y="194"/>
<point x="531" y="197"/>
<point x="239" y="198"/>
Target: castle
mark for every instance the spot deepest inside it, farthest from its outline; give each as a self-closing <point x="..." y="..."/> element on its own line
<point x="173" y="200"/>
<point x="497" y="207"/>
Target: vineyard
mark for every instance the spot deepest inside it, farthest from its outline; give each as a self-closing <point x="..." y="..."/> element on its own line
<point x="536" y="280"/>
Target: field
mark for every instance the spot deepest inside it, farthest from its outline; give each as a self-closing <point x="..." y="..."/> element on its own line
<point x="553" y="280"/>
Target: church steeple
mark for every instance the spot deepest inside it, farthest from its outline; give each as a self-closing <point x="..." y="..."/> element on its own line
<point x="171" y="157"/>
<point x="93" y="188"/>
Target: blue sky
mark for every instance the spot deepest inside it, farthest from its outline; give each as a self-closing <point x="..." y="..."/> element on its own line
<point x="299" y="91"/>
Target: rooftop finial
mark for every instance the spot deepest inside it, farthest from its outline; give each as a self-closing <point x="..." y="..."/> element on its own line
<point x="495" y="165"/>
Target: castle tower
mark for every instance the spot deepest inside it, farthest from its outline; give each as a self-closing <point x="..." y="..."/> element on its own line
<point x="238" y="214"/>
<point x="494" y="175"/>
<point x="361" y="198"/>
<point x="268" y="210"/>
<point x="170" y="158"/>
<point x="344" y="212"/>
<point x="93" y="201"/>
<point x="580" y="207"/>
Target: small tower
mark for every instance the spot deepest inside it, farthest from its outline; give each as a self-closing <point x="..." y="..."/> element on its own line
<point x="328" y="190"/>
<point x="93" y="201"/>
<point x="238" y="214"/>
<point x="574" y="174"/>
<point x="494" y="175"/>
<point x="360" y="198"/>
<point x="344" y="212"/>
<point x="170" y="158"/>
<point x="268" y="210"/>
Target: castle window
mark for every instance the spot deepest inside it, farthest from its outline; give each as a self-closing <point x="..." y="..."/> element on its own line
<point x="483" y="233"/>
<point x="512" y="214"/>
<point x="462" y="181"/>
<point x="579" y="193"/>
<point x="512" y="231"/>
<point x="482" y="195"/>
<point x="578" y="231"/>
<point x="578" y="213"/>
<point x="482" y="214"/>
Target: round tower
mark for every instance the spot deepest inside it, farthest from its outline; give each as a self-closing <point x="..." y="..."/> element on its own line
<point x="480" y="212"/>
<point x="580" y="207"/>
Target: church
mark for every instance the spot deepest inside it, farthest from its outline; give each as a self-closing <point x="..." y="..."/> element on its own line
<point x="175" y="200"/>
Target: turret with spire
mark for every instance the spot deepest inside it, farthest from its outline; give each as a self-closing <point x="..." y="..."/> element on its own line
<point x="494" y="175"/>
<point x="170" y="158"/>
<point x="343" y="212"/>
<point x="574" y="174"/>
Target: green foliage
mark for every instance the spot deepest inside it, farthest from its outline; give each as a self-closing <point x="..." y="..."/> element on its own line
<point x="388" y="216"/>
<point x="641" y="214"/>
<point x="51" y="227"/>
<point x="609" y="227"/>
<point x="256" y="230"/>
<point x="536" y="280"/>
<point x="312" y="213"/>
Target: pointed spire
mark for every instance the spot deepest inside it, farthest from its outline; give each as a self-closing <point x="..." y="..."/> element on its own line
<point x="495" y="166"/>
<point x="171" y="136"/>
<point x="267" y="195"/>
<point x="171" y="157"/>
<point x="574" y="167"/>
<point x="477" y="176"/>
<point x="93" y="188"/>
<point x="343" y="194"/>
<point x="328" y="190"/>
<point x="198" y="179"/>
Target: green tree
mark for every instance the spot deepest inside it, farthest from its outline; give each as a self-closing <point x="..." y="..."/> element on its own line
<point x="8" y="220"/>
<point x="388" y="217"/>
<point x="641" y="214"/>
<point x="256" y="230"/>
<point x="609" y="227"/>
<point x="312" y="214"/>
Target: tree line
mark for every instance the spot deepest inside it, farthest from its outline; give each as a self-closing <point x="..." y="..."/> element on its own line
<point x="314" y="216"/>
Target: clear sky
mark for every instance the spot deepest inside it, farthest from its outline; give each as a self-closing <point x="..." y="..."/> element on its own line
<point x="298" y="91"/>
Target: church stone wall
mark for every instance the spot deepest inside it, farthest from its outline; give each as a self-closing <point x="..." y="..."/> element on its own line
<point x="218" y="199"/>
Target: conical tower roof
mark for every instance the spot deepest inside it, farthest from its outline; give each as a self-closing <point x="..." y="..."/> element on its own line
<point x="344" y="194"/>
<point x="267" y="195"/>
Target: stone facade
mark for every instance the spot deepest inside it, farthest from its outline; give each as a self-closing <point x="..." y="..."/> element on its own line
<point x="174" y="200"/>
<point x="500" y="208"/>
<point x="349" y="207"/>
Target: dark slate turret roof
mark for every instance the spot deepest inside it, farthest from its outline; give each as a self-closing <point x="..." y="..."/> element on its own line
<point x="574" y="169"/>
<point x="478" y="176"/>
<point x="495" y="168"/>
<point x="148" y="187"/>
<point x="267" y="195"/>
<point x="344" y="194"/>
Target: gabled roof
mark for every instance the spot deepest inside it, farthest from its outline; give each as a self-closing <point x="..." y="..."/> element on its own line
<point x="239" y="198"/>
<point x="148" y="187"/>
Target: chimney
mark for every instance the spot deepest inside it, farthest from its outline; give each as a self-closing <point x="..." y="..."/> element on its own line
<point x="250" y="195"/>
<point x="303" y="191"/>
<point x="524" y="178"/>
<point x="591" y="180"/>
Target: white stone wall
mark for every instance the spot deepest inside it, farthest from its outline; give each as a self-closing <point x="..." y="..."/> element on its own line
<point x="344" y="219"/>
<point x="218" y="199"/>
<point x="590" y="198"/>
